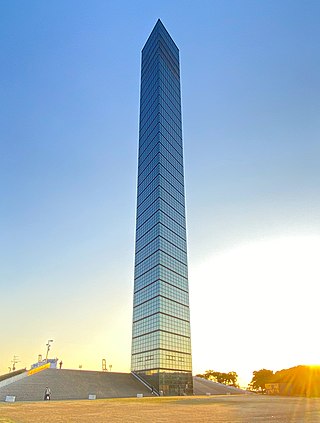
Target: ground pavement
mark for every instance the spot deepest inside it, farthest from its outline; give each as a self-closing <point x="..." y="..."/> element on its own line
<point x="218" y="409"/>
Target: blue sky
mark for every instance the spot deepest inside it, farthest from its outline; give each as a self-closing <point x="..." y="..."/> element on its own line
<point x="69" y="132"/>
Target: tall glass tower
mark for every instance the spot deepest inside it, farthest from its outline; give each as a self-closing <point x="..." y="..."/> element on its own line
<point x="161" y="344"/>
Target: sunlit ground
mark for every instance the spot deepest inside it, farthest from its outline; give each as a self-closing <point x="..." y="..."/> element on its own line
<point x="244" y="408"/>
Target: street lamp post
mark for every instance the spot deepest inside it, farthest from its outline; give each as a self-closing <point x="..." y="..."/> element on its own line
<point x="14" y="362"/>
<point x="48" y="348"/>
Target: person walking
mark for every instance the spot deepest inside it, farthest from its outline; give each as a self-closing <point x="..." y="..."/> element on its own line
<point x="47" y="394"/>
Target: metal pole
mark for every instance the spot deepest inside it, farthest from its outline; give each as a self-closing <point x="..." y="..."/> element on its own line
<point x="48" y="348"/>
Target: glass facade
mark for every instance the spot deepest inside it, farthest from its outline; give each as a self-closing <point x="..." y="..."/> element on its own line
<point x="161" y="344"/>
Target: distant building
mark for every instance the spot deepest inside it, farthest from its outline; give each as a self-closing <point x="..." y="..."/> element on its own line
<point x="51" y="362"/>
<point x="272" y="388"/>
<point x="161" y="344"/>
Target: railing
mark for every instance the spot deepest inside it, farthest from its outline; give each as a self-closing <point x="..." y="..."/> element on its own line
<point x="146" y="384"/>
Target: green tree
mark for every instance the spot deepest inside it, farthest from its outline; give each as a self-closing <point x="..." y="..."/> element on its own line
<point x="220" y="377"/>
<point x="259" y="380"/>
<point x="233" y="379"/>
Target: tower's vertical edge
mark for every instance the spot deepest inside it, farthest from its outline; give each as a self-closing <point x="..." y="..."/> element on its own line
<point x="161" y="343"/>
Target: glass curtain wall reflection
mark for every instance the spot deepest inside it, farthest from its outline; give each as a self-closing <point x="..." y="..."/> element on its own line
<point x="161" y="344"/>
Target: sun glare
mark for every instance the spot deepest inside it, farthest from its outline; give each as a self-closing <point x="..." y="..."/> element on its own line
<point x="260" y="299"/>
